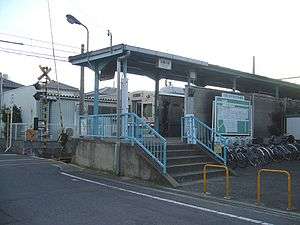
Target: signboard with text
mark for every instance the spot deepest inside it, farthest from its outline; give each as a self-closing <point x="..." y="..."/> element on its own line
<point x="164" y="64"/>
<point x="232" y="115"/>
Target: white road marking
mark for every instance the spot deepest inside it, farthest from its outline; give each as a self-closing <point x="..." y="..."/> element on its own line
<point x="6" y="154"/>
<point x="15" y="160"/>
<point x="170" y="201"/>
<point x="23" y="164"/>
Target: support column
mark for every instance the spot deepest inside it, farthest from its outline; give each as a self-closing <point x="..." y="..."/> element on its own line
<point x="124" y="99"/>
<point x="96" y="102"/>
<point x="156" y="111"/>
<point x="118" y="99"/>
<point x="124" y="88"/>
<point x="277" y="92"/>
<point x="234" y="85"/>
<point x="186" y="96"/>
<point x="118" y="143"/>
<point x="189" y="97"/>
<point x="96" y="92"/>
<point x="189" y="123"/>
<point x="81" y="94"/>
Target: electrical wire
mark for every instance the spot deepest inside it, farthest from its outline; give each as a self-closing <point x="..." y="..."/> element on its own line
<point x="38" y="40"/>
<point x="29" y="55"/>
<point x="287" y="78"/>
<point x="58" y="50"/>
<point x="12" y="42"/>
<point x="32" y="53"/>
<point x="55" y="68"/>
<point x="36" y="46"/>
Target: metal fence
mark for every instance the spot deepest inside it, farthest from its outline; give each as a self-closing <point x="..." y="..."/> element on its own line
<point x="19" y="131"/>
<point x="133" y="128"/>
<point x="103" y="125"/>
<point x="197" y="132"/>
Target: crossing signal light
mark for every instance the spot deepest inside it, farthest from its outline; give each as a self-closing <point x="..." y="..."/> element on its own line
<point x="39" y="95"/>
<point x="37" y="86"/>
<point x="35" y="123"/>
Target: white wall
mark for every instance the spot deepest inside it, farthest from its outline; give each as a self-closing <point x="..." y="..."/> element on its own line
<point x="22" y="97"/>
<point x="293" y="127"/>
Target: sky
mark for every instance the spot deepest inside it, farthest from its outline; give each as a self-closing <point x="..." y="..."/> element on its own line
<point x="226" y="33"/>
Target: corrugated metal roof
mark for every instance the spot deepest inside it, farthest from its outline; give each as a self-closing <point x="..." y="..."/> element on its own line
<point x="104" y="91"/>
<point x="102" y="98"/>
<point x="10" y="84"/>
<point x="62" y="86"/>
<point x="144" y="62"/>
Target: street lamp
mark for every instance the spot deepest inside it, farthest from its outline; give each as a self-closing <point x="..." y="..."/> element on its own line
<point x="109" y="34"/>
<point x="72" y="20"/>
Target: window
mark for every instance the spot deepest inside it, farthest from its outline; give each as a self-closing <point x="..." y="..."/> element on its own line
<point x="147" y="110"/>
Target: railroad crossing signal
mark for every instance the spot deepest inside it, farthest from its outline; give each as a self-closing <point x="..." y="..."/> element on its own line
<point x="41" y="86"/>
<point x="41" y="95"/>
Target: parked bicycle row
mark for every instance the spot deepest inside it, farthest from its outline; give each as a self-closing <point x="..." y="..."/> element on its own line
<point x="259" y="155"/>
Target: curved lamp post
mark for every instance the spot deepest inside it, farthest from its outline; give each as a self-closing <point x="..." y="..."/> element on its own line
<point x="72" y="20"/>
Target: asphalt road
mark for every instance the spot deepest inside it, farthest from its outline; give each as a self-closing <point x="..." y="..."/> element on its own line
<point x="37" y="192"/>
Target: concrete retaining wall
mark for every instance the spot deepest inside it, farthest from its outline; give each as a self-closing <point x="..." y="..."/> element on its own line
<point x="16" y="147"/>
<point x="132" y="161"/>
<point x="96" y="154"/>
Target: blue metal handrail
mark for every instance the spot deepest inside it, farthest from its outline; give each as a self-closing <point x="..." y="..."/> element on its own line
<point x="148" y="139"/>
<point x="101" y="125"/>
<point x="133" y="128"/>
<point x="197" y="132"/>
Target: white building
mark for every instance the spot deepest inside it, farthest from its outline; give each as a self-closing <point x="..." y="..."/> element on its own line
<point x="69" y="103"/>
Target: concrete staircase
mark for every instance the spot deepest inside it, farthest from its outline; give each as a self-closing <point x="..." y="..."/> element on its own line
<point x="185" y="162"/>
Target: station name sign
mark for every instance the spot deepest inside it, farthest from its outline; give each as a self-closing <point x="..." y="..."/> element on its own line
<point x="164" y="64"/>
<point x="233" y="96"/>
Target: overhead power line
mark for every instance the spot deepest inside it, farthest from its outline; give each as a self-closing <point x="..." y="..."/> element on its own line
<point x="287" y="78"/>
<point x="55" y="67"/>
<point x="31" y="55"/>
<point x="58" y="50"/>
<point x="12" y="42"/>
<point x="30" y="52"/>
<point x="37" y="46"/>
<point x="38" y="40"/>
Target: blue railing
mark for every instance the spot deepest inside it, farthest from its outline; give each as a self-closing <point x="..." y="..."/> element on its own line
<point x="197" y="132"/>
<point x="133" y="128"/>
<point x="102" y="125"/>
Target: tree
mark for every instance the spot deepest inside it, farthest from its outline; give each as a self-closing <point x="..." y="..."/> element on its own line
<point x="16" y="118"/>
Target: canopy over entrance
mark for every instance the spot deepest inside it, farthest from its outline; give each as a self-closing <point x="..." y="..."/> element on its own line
<point x="158" y="65"/>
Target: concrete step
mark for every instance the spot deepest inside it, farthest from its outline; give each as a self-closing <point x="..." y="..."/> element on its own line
<point x="187" y="159"/>
<point x="184" y="152"/>
<point x="179" y="146"/>
<point x="173" y="140"/>
<point x="187" y="167"/>
<point x="193" y="176"/>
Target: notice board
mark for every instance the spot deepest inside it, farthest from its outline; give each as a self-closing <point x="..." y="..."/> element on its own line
<point x="232" y="115"/>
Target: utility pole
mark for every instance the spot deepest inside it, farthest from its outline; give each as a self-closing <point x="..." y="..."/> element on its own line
<point x="81" y="94"/>
<point x="1" y="98"/>
<point x="253" y="65"/>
